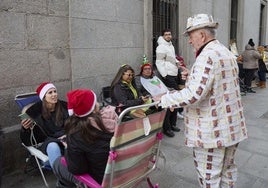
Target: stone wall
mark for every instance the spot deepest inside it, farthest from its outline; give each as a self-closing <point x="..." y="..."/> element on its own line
<point x="34" y="47"/>
<point x="103" y="36"/>
<point x="73" y="43"/>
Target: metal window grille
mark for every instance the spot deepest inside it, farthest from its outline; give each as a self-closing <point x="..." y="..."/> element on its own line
<point x="234" y="13"/>
<point x="165" y="15"/>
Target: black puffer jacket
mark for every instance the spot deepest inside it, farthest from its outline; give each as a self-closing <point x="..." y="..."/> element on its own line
<point x="83" y="157"/>
<point x="122" y="95"/>
<point x="46" y="130"/>
<point x="140" y="87"/>
<point x="262" y="66"/>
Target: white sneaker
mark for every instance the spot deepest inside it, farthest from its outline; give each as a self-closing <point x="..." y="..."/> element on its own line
<point x="180" y="115"/>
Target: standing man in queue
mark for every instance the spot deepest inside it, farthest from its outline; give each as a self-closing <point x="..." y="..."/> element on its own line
<point x="167" y="66"/>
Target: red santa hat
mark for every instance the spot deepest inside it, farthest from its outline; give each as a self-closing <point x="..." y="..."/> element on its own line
<point x="43" y="88"/>
<point x="81" y="102"/>
<point x="145" y="63"/>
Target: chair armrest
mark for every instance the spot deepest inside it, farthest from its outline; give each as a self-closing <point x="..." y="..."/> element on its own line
<point x="84" y="178"/>
<point x="36" y="152"/>
<point x="88" y="180"/>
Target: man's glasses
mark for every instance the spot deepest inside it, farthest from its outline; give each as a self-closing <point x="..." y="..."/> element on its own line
<point x="167" y="34"/>
<point x="129" y="74"/>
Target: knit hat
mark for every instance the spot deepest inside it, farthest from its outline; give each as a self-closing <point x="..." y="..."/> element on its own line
<point x="81" y="102"/>
<point x="251" y="43"/>
<point x="145" y="63"/>
<point x="43" y="88"/>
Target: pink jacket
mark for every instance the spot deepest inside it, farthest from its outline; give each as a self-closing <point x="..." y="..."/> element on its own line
<point x="109" y="117"/>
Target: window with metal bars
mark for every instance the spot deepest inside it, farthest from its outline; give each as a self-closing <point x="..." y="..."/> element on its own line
<point x="165" y="16"/>
<point x="234" y="13"/>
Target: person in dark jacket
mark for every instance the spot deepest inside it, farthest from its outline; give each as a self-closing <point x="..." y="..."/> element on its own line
<point x="250" y="57"/>
<point x="88" y="140"/>
<point x="124" y="93"/>
<point x="48" y="117"/>
<point x="262" y="67"/>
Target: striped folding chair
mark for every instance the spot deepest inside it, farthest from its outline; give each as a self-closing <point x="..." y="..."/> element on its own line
<point x="134" y="151"/>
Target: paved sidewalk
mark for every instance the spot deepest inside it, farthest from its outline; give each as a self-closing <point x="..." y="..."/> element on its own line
<point x="179" y="172"/>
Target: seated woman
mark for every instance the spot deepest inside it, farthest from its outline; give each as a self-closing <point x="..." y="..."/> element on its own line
<point x="49" y="114"/>
<point x="124" y="93"/>
<point x="89" y="132"/>
<point x="148" y="83"/>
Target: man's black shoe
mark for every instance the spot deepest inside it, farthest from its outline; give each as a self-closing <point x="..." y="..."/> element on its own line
<point x="169" y="133"/>
<point x="251" y="91"/>
<point x="175" y="129"/>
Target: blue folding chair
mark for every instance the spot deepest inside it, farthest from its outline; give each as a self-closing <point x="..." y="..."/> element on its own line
<point x="25" y="101"/>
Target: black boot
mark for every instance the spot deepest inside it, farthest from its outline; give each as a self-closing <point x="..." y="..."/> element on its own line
<point x="250" y="90"/>
<point x="169" y="133"/>
<point x="175" y="129"/>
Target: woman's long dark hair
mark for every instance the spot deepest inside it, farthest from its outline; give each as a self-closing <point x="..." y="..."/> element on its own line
<point x="88" y="131"/>
<point x="121" y="71"/>
<point x="58" y="110"/>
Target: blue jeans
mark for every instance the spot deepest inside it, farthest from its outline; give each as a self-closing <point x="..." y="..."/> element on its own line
<point x="262" y="75"/>
<point x="53" y="152"/>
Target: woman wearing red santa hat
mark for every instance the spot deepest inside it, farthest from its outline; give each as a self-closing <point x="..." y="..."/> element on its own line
<point x="88" y="138"/>
<point x="49" y="114"/>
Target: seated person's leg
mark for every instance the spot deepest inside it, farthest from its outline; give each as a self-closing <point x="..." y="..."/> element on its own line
<point x="65" y="178"/>
<point x="53" y="152"/>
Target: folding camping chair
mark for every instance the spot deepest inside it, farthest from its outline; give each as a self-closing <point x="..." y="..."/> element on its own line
<point x="106" y="95"/>
<point x="134" y="151"/>
<point x="25" y="101"/>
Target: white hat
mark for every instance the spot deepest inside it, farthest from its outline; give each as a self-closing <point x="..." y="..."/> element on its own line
<point x="200" y="21"/>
